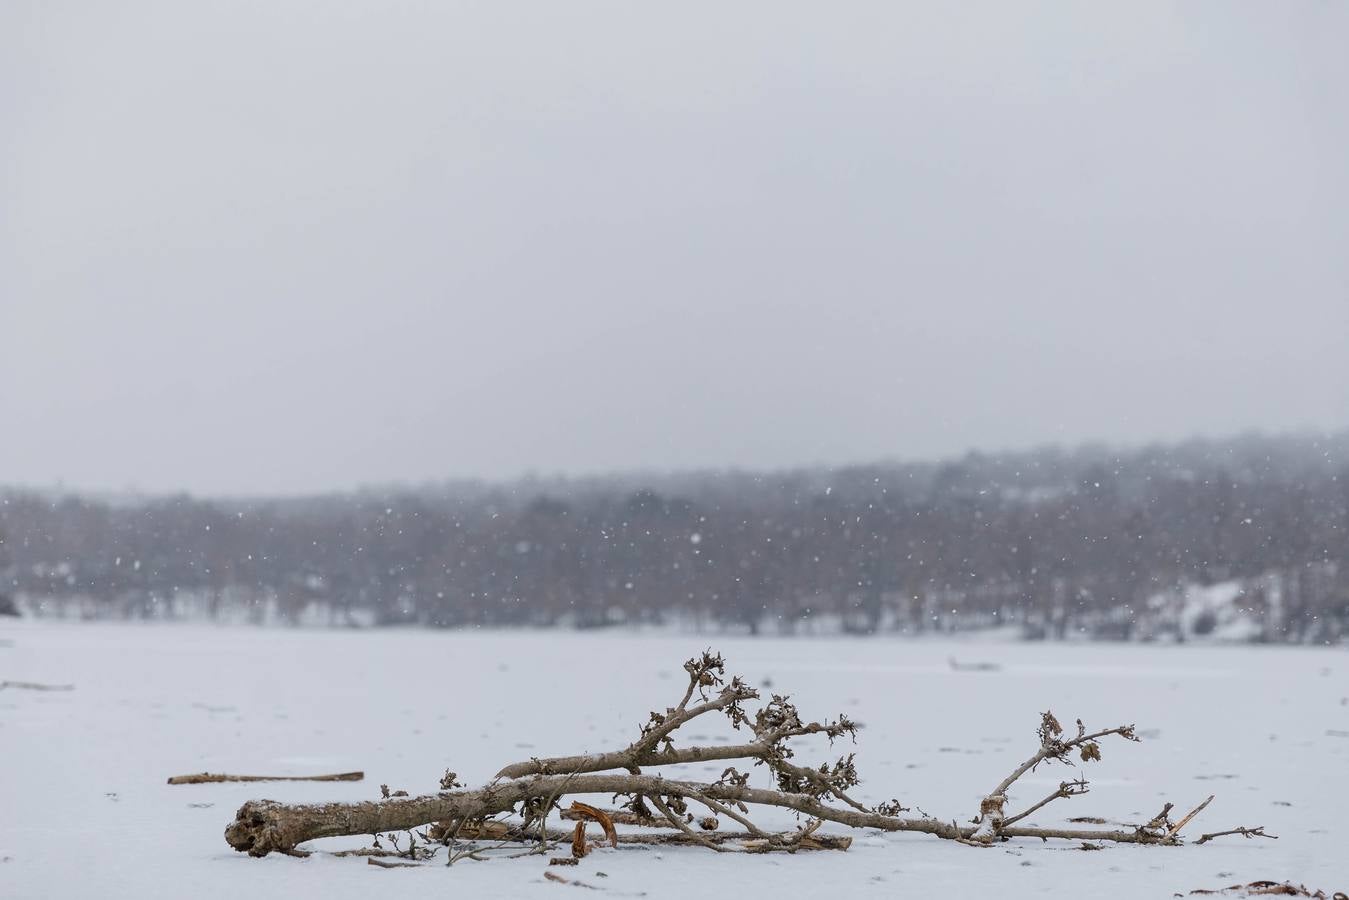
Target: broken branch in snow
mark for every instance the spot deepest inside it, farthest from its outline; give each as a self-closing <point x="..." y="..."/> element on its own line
<point x="1175" y="829"/>
<point x="213" y="778"/>
<point x="525" y="792"/>
<point x="1244" y="832"/>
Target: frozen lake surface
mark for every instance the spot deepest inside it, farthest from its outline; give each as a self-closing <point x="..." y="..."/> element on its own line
<point x="85" y="811"/>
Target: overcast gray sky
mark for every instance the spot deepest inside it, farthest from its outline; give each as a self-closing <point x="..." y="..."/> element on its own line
<point x="289" y="246"/>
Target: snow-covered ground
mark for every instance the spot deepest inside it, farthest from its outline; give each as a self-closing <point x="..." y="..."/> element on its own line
<point x="85" y="811"/>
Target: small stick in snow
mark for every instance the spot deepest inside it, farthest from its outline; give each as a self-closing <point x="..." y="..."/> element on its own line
<point x="958" y="666"/>
<point x="1175" y="829"/>
<point x="372" y="861"/>
<point x="34" y="686"/>
<point x="213" y="778"/>
<point x="1244" y="832"/>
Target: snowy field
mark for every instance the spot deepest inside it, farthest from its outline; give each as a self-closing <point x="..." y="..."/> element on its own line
<point x="85" y="811"/>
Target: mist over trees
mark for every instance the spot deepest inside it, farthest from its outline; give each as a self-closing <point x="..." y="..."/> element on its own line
<point x="1246" y="537"/>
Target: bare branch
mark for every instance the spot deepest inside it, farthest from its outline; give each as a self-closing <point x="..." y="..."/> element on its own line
<point x="1052" y="747"/>
<point x="1066" y="789"/>
<point x="1175" y="829"/>
<point x="681" y="825"/>
<point x="625" y="759"/>
<point x="704" y="673"/>
<point x="1241" y="830"/>
<point x="212" y="778"/>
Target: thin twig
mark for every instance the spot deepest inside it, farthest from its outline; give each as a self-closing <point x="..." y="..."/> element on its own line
<point x="1052" y="748"/>
<point x="729" y="813"/>
<point x="681" y="825"/>
<point x="1066" y="789"/>
<point x="1243" y="831"/>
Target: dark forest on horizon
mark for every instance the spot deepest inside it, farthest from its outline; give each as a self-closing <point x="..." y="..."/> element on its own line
<point x="1088" y="542"/>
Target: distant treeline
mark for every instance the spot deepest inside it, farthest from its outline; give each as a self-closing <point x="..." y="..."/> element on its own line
<point x="1056" y="543"/>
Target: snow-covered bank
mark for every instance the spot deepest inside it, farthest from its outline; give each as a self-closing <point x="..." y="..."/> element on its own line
<point x="1267" y="609"/>
<point x="86" y="811"/>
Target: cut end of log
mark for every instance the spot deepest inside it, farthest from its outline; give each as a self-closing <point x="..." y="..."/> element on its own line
<point x="253" y="830"/>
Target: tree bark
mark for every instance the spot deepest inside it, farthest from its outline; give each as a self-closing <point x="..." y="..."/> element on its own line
<point x="263" y="826"/>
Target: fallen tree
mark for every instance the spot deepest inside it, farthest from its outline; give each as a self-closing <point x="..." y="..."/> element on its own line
<point x="514" y="807"/>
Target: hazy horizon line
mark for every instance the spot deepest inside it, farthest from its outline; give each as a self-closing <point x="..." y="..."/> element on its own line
<point x="636" y="473"/>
